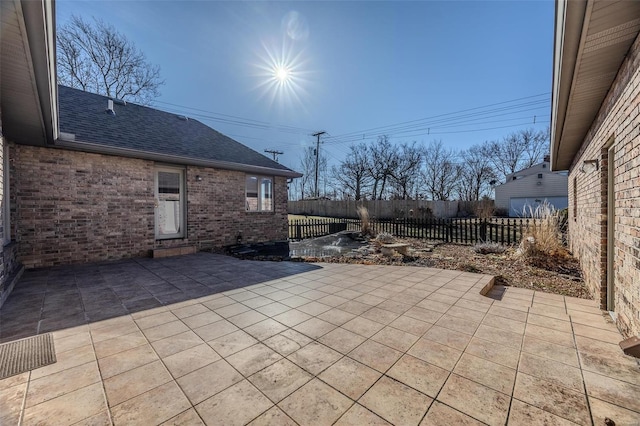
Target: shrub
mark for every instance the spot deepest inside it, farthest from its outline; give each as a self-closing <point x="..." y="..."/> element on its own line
<point x="385" y="238"/>
<point x="484" y="209"/>
<point x="501" y="212"/>
<point x="489" y="247"/>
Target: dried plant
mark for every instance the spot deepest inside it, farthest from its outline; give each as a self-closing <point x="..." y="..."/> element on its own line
<point x="385" y="238"/>
<point x="542" y="235"/>
<point x="365" y="227"/>
<point x="489" y="247"/>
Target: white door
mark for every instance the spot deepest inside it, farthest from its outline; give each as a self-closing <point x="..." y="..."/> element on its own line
<point x="169" y="203"/>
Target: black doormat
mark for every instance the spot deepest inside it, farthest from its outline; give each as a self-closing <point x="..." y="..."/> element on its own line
<point x="26" y="354"/>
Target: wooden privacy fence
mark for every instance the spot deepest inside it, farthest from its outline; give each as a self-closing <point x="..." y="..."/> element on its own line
<point x="462" y="231"/>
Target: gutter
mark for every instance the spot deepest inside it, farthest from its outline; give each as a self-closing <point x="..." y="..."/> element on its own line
<point x="67" y="141"/>
<point x="570" y="24"/>
<point x="39" y="22"/>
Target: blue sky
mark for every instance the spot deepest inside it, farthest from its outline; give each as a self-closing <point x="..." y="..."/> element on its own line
<point x="356" y="69"/>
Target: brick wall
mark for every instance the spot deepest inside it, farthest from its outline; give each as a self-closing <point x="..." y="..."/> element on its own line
<point x="617" y="124"/>
<point x="75" y="207"/>
<point x="8" y="263"/>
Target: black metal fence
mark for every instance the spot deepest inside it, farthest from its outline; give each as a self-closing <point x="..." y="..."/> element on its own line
<point x="461" y="231"/>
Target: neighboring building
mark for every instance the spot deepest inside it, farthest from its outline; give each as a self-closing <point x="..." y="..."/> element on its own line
<point x="523" y="191"/>
<point x="115" y="180"/>
<point x="596" y="135"/>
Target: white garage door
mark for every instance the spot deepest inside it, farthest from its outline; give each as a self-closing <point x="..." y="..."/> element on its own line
<point x="520" y="206"/>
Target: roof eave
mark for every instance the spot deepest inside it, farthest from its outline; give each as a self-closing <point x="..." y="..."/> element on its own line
<point x="166" y="158"/>
<point x="41" y="29"/>
<point x="30" y="110"/>
<point x="592" y="41"/>
<point x="569" y="22"/>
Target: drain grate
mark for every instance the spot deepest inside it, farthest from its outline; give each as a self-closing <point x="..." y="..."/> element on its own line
<point x="26" y="354"/>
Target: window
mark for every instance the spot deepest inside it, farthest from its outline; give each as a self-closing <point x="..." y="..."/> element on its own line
<point x="539" y="175"/>
<point x="259" y="194"/>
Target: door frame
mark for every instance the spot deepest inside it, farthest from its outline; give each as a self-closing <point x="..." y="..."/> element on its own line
<point x="183" y="201"/>
<point x="611" y="226"/>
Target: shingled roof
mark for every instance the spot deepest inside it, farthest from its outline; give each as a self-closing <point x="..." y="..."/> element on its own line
<point x="139" y="131"/>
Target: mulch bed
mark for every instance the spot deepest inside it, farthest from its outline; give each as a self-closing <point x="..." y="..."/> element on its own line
<point x="558" y="274"/>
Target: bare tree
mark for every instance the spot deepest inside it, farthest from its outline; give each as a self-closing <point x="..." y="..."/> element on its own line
<point x="352" y="174"/>
<point x="537" y="146"/>
<point x="383" y="159"/>
<point x="476" y="174"/>
<point x="441" y="171"/>
<point x="406" y="173"/>
<point x="308" y="170"/>
<point x="96" y="57"/>
<point x="518" y="150"/>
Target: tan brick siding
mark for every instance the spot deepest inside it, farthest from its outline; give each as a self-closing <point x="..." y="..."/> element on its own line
<point x="618" y="121"/>
<point x="76" y="207"/>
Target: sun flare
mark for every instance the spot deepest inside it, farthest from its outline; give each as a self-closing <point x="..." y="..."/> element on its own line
<point x="282" y="74"/>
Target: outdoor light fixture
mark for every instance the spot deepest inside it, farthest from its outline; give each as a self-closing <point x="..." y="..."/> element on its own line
<point x="589" y="166"/>
<point x="198" y="178"/>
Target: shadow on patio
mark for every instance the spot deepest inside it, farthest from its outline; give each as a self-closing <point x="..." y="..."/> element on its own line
<point x="51" y="299"/>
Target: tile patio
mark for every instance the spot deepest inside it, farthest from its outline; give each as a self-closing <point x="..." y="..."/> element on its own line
<point x="209" y="339"/>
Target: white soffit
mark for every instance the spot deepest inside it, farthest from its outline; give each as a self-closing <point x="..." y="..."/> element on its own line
<point x="583" y="78"/>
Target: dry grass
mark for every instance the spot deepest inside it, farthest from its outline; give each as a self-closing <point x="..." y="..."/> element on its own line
<point x="365" y="227"/>
<point x="542" y="237"/>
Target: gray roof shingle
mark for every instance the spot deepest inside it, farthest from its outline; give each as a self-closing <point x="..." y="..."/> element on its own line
<point x="148" y="130"/>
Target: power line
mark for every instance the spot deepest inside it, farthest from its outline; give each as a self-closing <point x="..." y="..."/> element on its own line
<point x="454" y="113"/>
<point x="432" y="125"/>
<point x="454" y="120"/>
<point x="255" y="122"/>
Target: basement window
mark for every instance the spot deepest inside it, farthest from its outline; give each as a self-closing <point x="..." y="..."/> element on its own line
<point x="259" y="194"/>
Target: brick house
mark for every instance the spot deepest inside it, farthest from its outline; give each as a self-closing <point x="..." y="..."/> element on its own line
<point x="94" y="179"/>
<point x="596" y="135"/>
<point x="524" y="190"/>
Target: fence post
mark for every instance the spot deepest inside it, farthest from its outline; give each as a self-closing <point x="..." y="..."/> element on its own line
<point x="483" y="231"/>
<point x="298" y="231"/>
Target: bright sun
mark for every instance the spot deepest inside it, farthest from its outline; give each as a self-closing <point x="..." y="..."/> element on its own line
<point x="282" y="74"/>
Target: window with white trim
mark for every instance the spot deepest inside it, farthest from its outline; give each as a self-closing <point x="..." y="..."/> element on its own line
<point x="259" y="193"/>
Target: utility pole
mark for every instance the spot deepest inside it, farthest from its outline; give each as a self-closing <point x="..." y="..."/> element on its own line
<point x="317" y="193"/>
<point x="274" y="153"/>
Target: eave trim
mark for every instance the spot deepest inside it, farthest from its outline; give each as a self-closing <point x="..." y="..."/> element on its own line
<point x="176" y="159"/>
